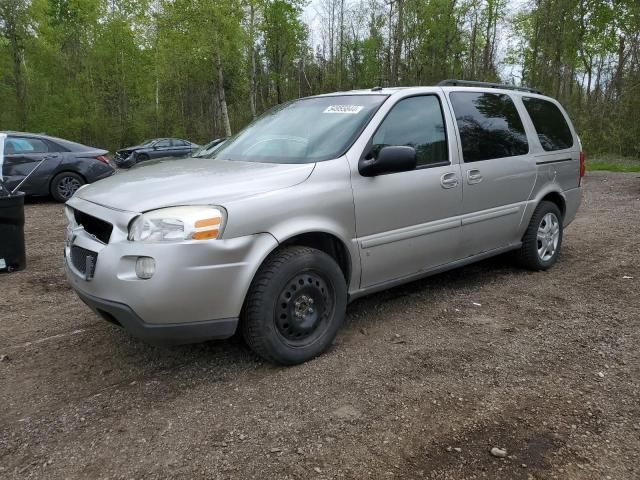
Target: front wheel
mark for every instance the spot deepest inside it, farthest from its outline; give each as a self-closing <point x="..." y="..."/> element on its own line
<point x="542" y="240"/>
<point x="295" y="305"/>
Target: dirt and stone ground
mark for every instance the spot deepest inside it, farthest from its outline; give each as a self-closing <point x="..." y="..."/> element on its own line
<point x="422" y="381"/>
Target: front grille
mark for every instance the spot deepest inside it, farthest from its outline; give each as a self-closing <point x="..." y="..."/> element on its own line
<point x="84" y="261"/>
<point x="94" y="226"/>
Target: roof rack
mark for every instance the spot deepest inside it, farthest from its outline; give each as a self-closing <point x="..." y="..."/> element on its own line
<point x="473" y="83"/>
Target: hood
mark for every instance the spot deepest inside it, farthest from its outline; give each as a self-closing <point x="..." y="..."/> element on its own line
<point x="131" y="149"/>
<point x="191" y="181"/>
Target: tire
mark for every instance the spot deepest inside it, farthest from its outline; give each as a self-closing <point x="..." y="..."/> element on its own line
<point x="295" y="305"/>
<point x="543" y="239"/>
<point x="141" y="157"/>
<point x="64" y="185"/>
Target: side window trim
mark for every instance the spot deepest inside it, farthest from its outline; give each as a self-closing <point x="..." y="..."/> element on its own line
<point x="530" y="131"/>
<point x="444" y="123"/>
<point x="444" y="163"/>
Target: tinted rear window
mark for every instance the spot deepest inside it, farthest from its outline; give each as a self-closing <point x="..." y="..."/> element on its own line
<point x="490" y="126"/>
<point x="552" y="128"/>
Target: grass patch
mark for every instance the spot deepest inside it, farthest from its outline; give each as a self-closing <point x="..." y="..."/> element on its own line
<point x="613" y="164"/>
<point x="611" y="167"/>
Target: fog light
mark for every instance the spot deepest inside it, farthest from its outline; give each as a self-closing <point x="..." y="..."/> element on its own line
<point x="145" y="267"/>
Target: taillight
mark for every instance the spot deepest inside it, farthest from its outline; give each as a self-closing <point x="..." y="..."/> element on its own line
<point x="103" y="159"/>
<point x="581" y="167"/>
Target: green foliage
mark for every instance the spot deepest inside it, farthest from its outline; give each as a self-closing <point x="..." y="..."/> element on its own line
<point x="283" y="36"/>
<point x="112" y="72"/>
<point x="586" y="54"/>
<point x="612" y="163"/>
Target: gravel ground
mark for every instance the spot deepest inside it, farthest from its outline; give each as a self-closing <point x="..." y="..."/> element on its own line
<point x="422" y="382"/>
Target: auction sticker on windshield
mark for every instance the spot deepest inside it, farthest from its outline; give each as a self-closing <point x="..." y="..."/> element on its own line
<point x="353" y="109"/>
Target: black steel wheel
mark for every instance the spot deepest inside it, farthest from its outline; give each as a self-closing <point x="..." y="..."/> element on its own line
<point x="304" y="308"/>
<point x="295" y="305"/>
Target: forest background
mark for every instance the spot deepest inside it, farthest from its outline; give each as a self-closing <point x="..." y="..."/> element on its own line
<point x="111" y="73"/>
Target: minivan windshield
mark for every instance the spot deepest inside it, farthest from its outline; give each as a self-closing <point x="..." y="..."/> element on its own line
<point x="303" y="131"/>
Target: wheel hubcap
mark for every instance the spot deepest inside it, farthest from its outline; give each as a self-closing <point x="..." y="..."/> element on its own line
<point x="548" y="236"/>
<point x="304" y="308"/>
<point x="68" y="186"/>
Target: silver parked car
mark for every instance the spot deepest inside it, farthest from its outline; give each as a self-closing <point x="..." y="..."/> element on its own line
<point x="318" y="202"/>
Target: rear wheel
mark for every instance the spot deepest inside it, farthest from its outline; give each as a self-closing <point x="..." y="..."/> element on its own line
<point x="542" y="240"/>
<point x="64" y="185"/>
<point x="295" y="305"/>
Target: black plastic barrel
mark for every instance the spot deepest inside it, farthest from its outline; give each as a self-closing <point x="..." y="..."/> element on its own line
<point x="12" y="251"/>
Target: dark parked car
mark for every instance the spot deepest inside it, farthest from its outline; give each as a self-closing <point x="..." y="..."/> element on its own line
<point x="154" y="148"/>
<point x="67" y="166"/>
<point x="202" y="152"/>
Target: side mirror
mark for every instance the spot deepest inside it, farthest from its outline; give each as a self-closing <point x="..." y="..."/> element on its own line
<point x="390" y="159"/>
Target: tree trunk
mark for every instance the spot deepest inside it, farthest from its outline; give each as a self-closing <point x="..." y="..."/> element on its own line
<point x="222" y="98"/>
<point x="448" y="39"/>
<point x="341" y="46"/>
<point x="474" y="39"/>
<point x="157" y="110"/>
<point x="618" y="76"/>
<point x="13" y="31"/>
<point x="486" y="54"/>
<point x="532" y="75"/>
<point x="388" y="65"/>
<point x="252" y="55"/>
<point x="21" y="88"/>
<point x="397" y="47"/>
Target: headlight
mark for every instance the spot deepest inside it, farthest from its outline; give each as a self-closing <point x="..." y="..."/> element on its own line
<point x="176" y="224"/>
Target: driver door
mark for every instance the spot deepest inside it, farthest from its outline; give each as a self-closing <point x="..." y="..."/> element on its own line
<point x="162" y="148"/>
<point x="409" y="222"/>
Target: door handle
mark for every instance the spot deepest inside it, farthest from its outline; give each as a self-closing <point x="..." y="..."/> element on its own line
<point x="449" y="180"/>
<point x="473" y="176"/>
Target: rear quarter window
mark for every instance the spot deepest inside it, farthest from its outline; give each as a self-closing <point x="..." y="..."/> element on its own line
<point x="490" y="126"/>
<point x="551" y="126"/>
<point x="56" y="147"/>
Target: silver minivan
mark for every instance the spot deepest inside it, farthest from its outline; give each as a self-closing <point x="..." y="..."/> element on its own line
<point x="318" y="202"/>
